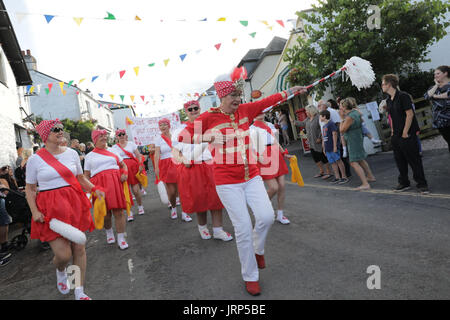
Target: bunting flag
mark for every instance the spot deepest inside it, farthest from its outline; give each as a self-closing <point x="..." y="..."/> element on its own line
<point x="166" y="62"/>
<point x="244" y="23"/>
<point x="70" y="83"/>
<point x="136" y="70"/>
<point x="234" y="40"/>
<point x="78" y="20"/>
<point x="31" y="89"/>
<point x="132" y="98"/>
<point x="143" y="98"/>
<point x="122" y="97"/>
<point x="47" y="91"/>
<point x="122" y="73"/>
<point x="137" y="18"/>
<point x="128" y="121"/>
<point x="182" y="57"/>
<point x="218" y="46"/>
<point x="151" y="64"/>
<point x="100" y="95"/>
<point x="50" y="85"/>
<point x="81" y="80"/>
<point x="253" y="34"/>
<point x="222" y="19"/>
<point x="205" y="19"/>
<point x="48" y="17"/>
<point x="265" y="22"/>
<point x="94" y="78"/>
<point x="61" y="85"/>
<point x="280" y="22"/>
<point x="110" y="16"/>
<point x="111" y="96"/>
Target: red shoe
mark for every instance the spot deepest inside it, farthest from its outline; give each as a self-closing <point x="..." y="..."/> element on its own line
<point x="260" y="261"/>
<point x="253" y="288"/>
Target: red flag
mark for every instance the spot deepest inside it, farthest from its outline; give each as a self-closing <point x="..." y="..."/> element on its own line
<point x="218" y="46"/>
<point x="280" y="22"/>
<point x="143" y="98"/>
<point x="50" y="85"/>
<point x="121" y="73"/>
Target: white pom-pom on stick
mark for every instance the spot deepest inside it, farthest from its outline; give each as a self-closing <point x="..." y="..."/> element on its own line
<point x="67" y="231"/>
<point x="360" y="72"/>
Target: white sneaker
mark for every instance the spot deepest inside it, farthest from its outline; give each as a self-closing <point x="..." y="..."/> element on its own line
<point x="173" y="213"/>
<point x="283" y="220"/>
<point x="178" y="201"/>
<point x="186" y="217"/>
<point x="110" y="239"/>
<point x="123" y="245"/>
<point x="222" y="235"/>
<point x="130" y="217"/>
<point x="141" y="210"/>
<point x="62" y="283"/>
<point x="204" y="233"/>
<point x="143" y="192"/>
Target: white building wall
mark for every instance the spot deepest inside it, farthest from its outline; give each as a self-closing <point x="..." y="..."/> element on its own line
<point x="119" y="116"/>
<point x="206" y="102"/>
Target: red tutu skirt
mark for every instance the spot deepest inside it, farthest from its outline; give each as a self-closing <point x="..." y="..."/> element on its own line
<point x="109" y="181"/>
<point x="197" y="189"/>
<point x="133" y="169"/>
<point x="66" y="205"/>
<point x="167" y="171"/>
<point x="273" y="165"/>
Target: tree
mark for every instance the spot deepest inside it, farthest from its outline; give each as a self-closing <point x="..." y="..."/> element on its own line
<point x="183" y="116"/>
<point x="338" y="29"/>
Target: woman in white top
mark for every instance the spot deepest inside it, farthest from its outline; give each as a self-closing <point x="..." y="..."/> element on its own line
<point x="107" y="170"/>
<point x="196" y="183"/>
<point x="165" y="168"/>
<point x="57" y="171"/>
<point x="132" y="158"/>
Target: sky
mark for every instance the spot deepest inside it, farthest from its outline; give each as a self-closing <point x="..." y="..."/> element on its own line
<point x="167" y="29"/>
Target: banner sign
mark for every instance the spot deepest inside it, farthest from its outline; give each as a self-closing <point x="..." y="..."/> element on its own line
<point x="144" y="131"/>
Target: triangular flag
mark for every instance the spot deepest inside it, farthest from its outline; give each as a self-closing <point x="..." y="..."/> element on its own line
<point x="78" y="92"/>
<point x="50" y="85"/>
<point x="110" y="16"/>
<point x="31" y="89"/>
<point x="128" y="121"/>
<point x="94" y="78"/>
<point x="234" y="40"/>
<point x="253" y="34"/>
<point x="270" y="28"/>
<point x="280" y="22"/>
<point x="137" y="18"/>
<point x="136" y="70"/>
<point x="38" y="89"/>
<point x="47" y="91"/>
<point x="244" y="23"/>
<point x="70" y="83"/>
<point x="221" y="19"/>
<point x="218" y="46"/>
<point x="143" y="98"/>
<point x="121" y="73"/>
<point x="48" y="17"/>
<point x="122" y="97"/>
<point x="78" y="20"/>
<point x="151" y="64"/>
<point x="132" y="98"/>
<point x="64" y="92"/>
<point x="204" y="19"/>
<point x="198" y="51"/>
<point x="100" y="95"/>
<point x="265" y="22"/>
<point x="111" y="96"/>
<point x="61" y="85"/>
<point x="183" y="56"/>
<point x="166" y="62"/>
<point x="81" y="80"/>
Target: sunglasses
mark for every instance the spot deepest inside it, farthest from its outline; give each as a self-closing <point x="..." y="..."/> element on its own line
<point x="4" y="168"/>
<point x="121" y="134"/>
<point x="193" y="109"/>
<point x="56" y="129"/>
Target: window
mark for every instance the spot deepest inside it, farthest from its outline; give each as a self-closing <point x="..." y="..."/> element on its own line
<point x="17" y="133"/>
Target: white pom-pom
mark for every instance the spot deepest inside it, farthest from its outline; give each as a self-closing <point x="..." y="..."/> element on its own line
<point x="67" y="231"/>
<point x="360" y="72"/>
<point x="163" y="193"/>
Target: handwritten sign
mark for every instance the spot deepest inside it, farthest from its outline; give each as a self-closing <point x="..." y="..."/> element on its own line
<point x="144" y="131"/>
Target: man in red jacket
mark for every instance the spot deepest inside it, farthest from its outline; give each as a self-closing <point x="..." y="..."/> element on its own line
<point x="236" y="173"/>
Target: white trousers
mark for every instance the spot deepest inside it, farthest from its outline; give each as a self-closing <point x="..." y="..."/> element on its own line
<point x="249" y="240"/>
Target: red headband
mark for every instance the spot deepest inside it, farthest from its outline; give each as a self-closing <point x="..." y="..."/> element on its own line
<point x="190" y="103"/>
<point x="164" y="120"/>
<point x="96" y="134"/>
<point x="119" y="131"/>
<point x="44" y="127"/>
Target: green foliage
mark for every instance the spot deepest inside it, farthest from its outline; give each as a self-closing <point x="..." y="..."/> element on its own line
<point x="183" y="116"/>
<point x="337" y="30"/>
<point x="80" y="130"/>
<point x="417" y="82"/>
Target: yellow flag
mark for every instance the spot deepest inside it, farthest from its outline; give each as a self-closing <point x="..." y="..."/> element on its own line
<point x="265" y="22"/>
<point x="132" y="98"/>
<point x="221" y="19"/>
<point x="81" y="80"/>
<point x="126" y="192"/>
<point x="31" y="89"/>
<point x="137" y="18"/>
<point x="99" y="212"/>
<point x="136" y="70"/>
<point x="296" y="174"/>
<point x="112" y="96"/>
<point x="61" y="85"/>
<point x="166" y="62"/>
<point x="234" y="40"/>
<point x="78" y="20"/>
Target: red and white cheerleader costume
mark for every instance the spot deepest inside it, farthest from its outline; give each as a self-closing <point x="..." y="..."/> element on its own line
<point x="128" y="156"/>
<point x="167" y="168"/>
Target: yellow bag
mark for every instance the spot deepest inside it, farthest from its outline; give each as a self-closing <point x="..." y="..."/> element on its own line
<point x="99" y="212"/>
<point x="126" y="192"/>
<point x="296" y="174"/>
<point x="142" y="178"/>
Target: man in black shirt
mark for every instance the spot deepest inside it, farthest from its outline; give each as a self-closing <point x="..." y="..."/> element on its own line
<point x="404" y="127"/>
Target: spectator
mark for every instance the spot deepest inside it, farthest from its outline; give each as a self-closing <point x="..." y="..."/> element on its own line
<point x="6" y="173"/>
<point x="36" y="149"/>
<point x="350" y="126"/>
<point x="63" y="142"/>
<point x="82" y="148"/>
<point x="19" y="156"/>
<point x="89" y="147"/>
<point x="314" y="136"/>
<point x="403" y="133"/>
<point x="439" y="95"/>
<point x="330" y="144"/>
<point x="5" y="220"/>
<point x="283" y="122"/>
<point x="333" y="104"/>
<point x="20" y="171"/>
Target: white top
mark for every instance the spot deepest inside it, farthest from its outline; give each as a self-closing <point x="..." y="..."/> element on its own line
<point x="131" y="148"/>
<point x="39" y="172"/>
<point x="96" y="163"/>
<point x="334" y="116"/>
<point x="166" y="151"/>
<point x="197" y="152"/>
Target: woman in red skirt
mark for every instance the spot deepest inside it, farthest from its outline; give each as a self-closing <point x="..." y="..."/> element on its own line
<point x="107" y="170"/>
<point x="165" y="168"/>
<point x="271" y="163"/>
<point x="196" y="182"/>
<point x="57" y="171"/>
<point x="130" y="154"/>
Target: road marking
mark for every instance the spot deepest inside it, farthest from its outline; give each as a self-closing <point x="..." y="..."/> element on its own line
<point x="377" y="191"/>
